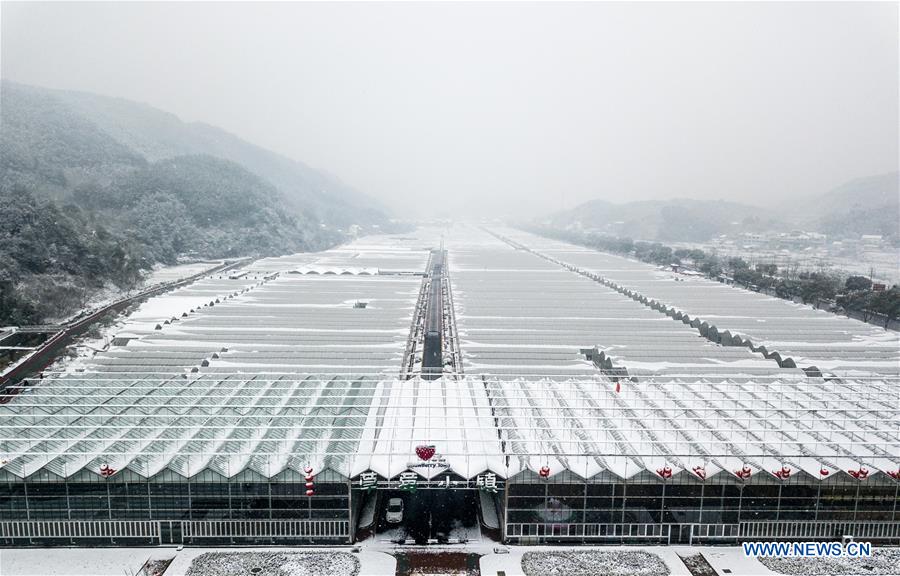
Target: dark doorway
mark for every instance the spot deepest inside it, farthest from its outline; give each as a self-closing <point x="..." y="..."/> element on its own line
<point x="430" y="516"/>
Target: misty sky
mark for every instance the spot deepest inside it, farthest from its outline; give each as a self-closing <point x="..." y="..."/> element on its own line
<point x="504" y="108"/>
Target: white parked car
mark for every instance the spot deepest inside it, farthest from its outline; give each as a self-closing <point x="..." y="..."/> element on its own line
<point x="394" y="510"/>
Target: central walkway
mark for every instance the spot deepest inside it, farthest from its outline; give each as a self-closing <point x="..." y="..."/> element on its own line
<point x="434" y="563"/>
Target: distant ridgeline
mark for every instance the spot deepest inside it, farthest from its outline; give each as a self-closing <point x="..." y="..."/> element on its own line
<point x="93" y="190"/>
<point x="868" y="205"/>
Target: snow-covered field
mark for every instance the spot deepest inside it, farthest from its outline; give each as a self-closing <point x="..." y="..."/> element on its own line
<point x="274" y="564"/>
<point x="593" y="563"/>
<point x="885" y="561"/>
<point x="76" y="561"/>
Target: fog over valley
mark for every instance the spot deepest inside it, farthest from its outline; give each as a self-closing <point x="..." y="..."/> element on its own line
<point x="468" y="110"/>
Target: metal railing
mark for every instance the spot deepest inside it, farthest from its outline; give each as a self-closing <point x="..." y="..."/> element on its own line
<point x="79" y="529"/>
<point x="172" y="531"/>
<point x="705" y="533"/>
<point x="268" y="529"/>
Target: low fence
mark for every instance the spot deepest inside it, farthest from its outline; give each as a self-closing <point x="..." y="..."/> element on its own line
<point x="535" y="533"/>
<point x="23" y="532"/>
<point x="78" y="529"/>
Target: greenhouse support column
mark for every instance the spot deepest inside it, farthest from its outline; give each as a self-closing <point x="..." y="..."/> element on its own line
<point x="230" y="513"/>
<point x="504" y="531"/>
<point x="69" y="511"/>
<point x="27" y="505"/>
<point x="584" y="498"/>
<point x="702" y="504"/>
<point x="662" y="506"/>
<point x="351" y="528"/>
<point x="27" y="511"/>
<point x="896" y="497"/>
<point x="149" y="502"/>
<point x="778" y="505"/>
<point x="68" y="504"/>
<point x="818" y="500"/>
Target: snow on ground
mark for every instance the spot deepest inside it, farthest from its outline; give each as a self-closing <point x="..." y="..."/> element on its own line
<point x="274" y="564"/>
<point x="85" y="347"/>
<point x="593" y="562"/>
<point x="460" y="532"/>
<point x="150" y="311"/>
<point x="119" y="561"/>
<point x="161" y="274"/>
<point x="730" y="558"/>
<point x="76" y="561"/>
<point x="367" y="516"/>
<point x="884" y="561"/>
<point x="489" y="511"/>
<point x="370" y="562"/>
<point x="99" y="298"/>
<point x="511" y="560"/>
<point x="391" y="534"/>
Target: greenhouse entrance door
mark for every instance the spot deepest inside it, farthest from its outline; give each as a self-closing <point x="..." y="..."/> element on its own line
<point x="429" y="516"/>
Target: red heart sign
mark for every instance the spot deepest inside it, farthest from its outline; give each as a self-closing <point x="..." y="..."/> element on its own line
<point x="425" y="452"/>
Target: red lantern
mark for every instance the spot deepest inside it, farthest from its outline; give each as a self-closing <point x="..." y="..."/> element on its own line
<point x="894" y="475"/>
<point x="860" y="474"/>
<point x="106" y="471"/>
<point x="784" y="473"/>
<point x="665" y="472"/>
<point x="310" y="485"/>
<point x="544" y="472"/>
<point x="744" y="473"/>
<point x="700" y="471"/>
<point x="824" y="471"/>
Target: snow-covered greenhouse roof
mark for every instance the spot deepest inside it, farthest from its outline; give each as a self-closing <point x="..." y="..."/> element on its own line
<point x="270" y="425"/>
<point x="810" y="337"/>
<point x="518" y="314"/>
<point x="260" y="372"/>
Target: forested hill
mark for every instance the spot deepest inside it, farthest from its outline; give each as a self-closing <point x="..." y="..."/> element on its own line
<point x="867" y="205"/>
<point x="679" y="220"/>
<point x="158" y="135"/>
<point x="94" y="190"/>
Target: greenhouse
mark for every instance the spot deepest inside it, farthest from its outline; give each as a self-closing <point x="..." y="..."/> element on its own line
<point x="283" y="404"/>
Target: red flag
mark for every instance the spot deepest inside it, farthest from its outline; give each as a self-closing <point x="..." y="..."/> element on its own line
<point x="618" y="387"/>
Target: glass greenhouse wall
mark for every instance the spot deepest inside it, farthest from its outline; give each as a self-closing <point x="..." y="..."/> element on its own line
<point x="685" y="510"/>
<point x="119" y="511"/>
